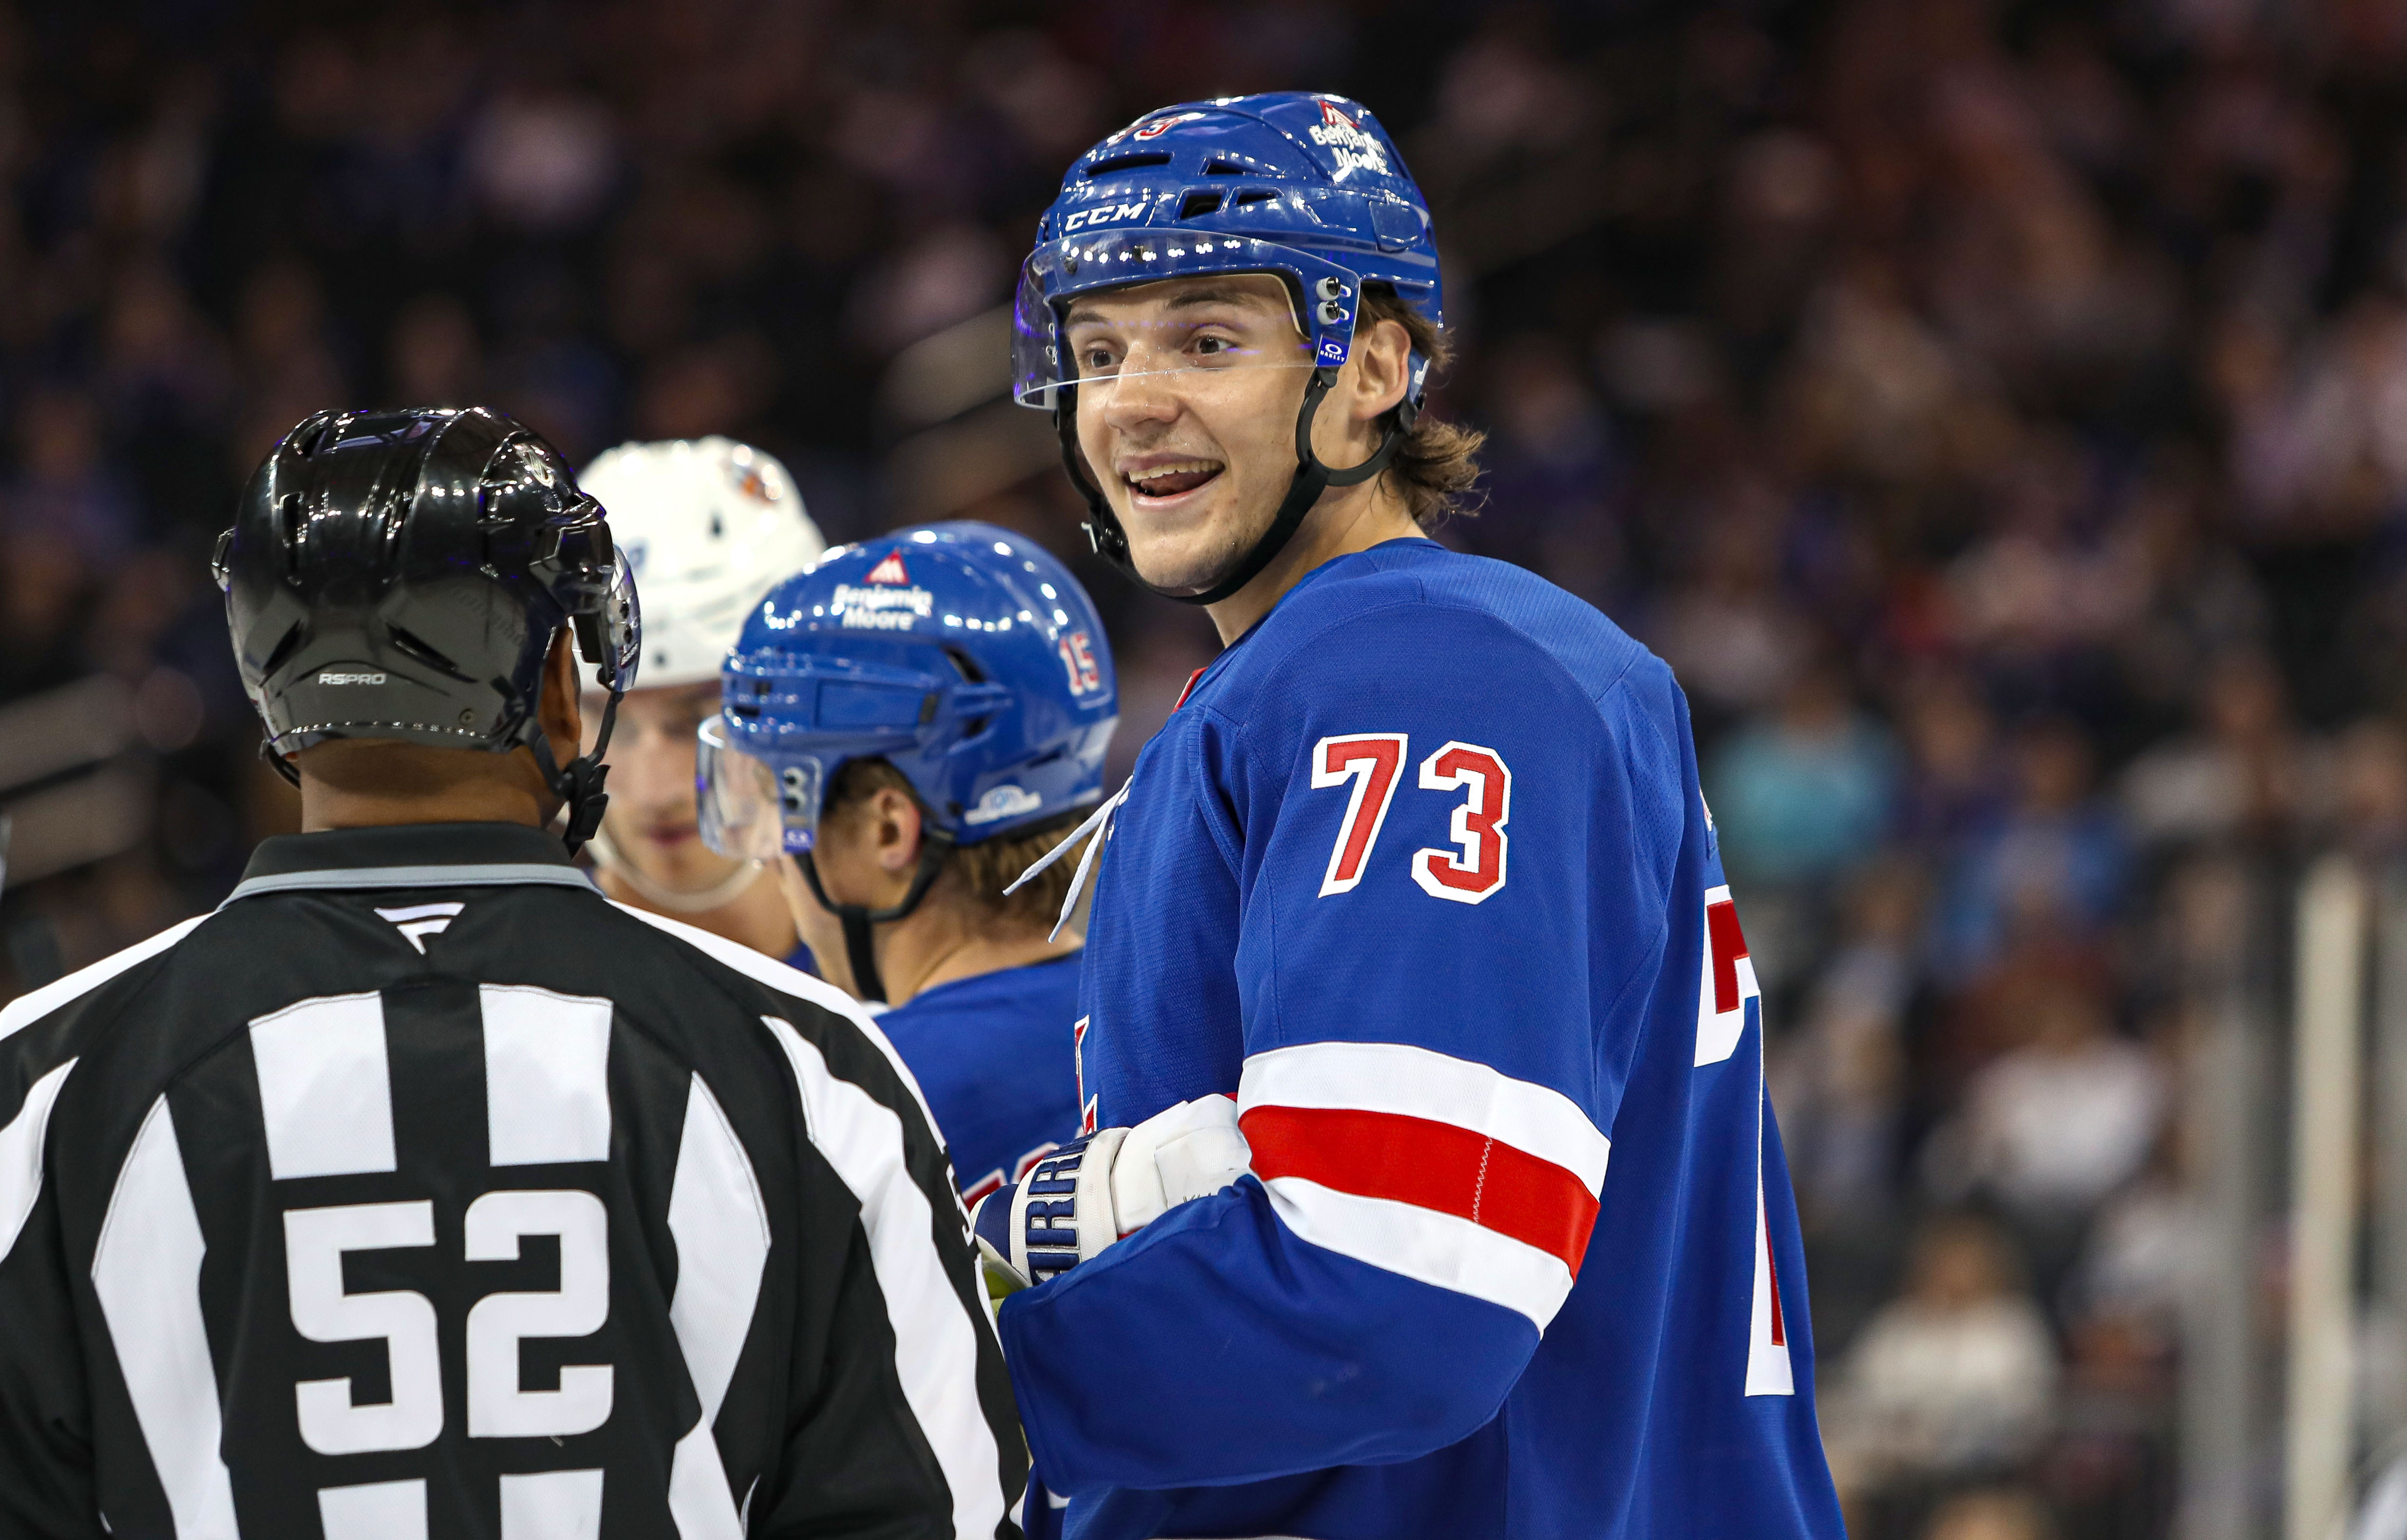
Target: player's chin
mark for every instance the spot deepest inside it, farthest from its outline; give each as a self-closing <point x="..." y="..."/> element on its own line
<point x="1186" y="541"/>
<point x="1194" y="557"/>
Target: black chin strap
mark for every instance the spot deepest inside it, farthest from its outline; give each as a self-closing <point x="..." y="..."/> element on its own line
<point x="859" y="947"/>
<point x="581" y="783"/>
<point x="1312" y="478"/>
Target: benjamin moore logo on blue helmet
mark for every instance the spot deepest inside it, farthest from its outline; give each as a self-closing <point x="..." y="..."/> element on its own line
<point x="962" y="653"/>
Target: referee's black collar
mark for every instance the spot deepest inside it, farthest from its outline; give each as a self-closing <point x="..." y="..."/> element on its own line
<point x="411" y="855"/>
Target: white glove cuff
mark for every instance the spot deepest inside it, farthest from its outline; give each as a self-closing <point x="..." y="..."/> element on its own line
<point x="1181" y="1152"/>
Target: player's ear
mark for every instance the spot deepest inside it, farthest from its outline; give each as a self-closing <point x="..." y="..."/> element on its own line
<point x="898" y="829"/>
<point x="557" y="711"/>
<point x="1381" y="360"/>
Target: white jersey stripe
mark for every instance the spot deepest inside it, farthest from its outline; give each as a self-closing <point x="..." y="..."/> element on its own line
<point x="324" y="1090"/>
<point x="935" y="1339"/>
<point x="146" y="1270"/>
<point x="20" y="1154"/>
<point x="549" y="1506"/>
<point x="721" y="1228"/>
<point x="1444" y="1249"/>
<point x="1415" y="1082"/>
<point x="1767" y="1371"/>
<point x="376" y="1510"/>
<point x="547" y="1075"/>
<point x="793" y="981"/>
<point x="28" y="1008"/>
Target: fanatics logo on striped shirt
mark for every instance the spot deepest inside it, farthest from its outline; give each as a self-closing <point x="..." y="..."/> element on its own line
<point x="420" y="921"/>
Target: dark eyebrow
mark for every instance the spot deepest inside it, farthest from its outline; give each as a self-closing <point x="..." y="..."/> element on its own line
<point x="1187" y="300"/>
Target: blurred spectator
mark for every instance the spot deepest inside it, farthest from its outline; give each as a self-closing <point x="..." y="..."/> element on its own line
<point x="2052" y="1127"/>
<point x="43" y="581"/>
<point x="2053" y="861"/>
<point x="2241" y="773"/>
<point x="63" y="487"/>
<point x="1955" y="1380"/>
<point x="2370" y="789"/>
<point x="1804" y="795"/>
<point x="435" y="359"/>
<point x="1552" y="479"/>
<point x="1730" y="636"/>
<point x="2202" y="600"/>
<point x="2000" y="1513"/>
<point x="2031" y="596"/>
<point x="1955" y="783"/>
<point x="1837" y="1078"/>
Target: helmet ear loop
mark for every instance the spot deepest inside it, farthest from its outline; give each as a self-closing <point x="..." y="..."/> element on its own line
<point x="581" y="784"/>
<point x="860" y="950"/>
<point x="282" y="767"/>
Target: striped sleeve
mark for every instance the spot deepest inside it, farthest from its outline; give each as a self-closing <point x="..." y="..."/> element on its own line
<point x="864" y="1115"/>
<point x="1438" y="1168"/>
<point x="46" y="1435"/>
<point x="1397" y="1197"/>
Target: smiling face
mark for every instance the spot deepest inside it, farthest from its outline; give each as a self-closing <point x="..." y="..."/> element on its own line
<point x="1187" y="396"/>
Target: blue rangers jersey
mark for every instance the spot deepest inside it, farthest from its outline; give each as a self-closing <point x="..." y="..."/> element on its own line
<point x="992" y="1054"/>
<point x="1419" y="873"/>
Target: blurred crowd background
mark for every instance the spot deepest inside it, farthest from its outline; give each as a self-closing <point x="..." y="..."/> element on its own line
<point x="1995" y="412"/>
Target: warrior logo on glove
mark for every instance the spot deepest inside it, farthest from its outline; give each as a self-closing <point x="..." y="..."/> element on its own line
<point x="1038" y="1227"/>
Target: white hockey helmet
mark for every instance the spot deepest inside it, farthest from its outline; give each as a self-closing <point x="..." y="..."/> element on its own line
<point x="709" y="526"/>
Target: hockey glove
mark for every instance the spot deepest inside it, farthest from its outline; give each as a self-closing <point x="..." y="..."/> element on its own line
<point x="1086" y="1195"/>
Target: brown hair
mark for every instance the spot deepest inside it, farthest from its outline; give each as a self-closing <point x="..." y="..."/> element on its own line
<point x="988" y="867"/>
<point x="1437" y="462"/>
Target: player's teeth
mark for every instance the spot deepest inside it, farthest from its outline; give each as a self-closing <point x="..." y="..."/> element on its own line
<point x="1191" y="467"/>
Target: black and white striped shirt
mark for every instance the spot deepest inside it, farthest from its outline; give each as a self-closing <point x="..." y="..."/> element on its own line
<point x="421" y="1191"/>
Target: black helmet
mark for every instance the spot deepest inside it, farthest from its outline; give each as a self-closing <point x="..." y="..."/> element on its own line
<point x="402" y="574"/>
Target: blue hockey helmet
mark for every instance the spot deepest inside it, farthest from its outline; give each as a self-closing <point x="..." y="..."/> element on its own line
<point x="964" y="655"/>
<point x="1299" y="184"/>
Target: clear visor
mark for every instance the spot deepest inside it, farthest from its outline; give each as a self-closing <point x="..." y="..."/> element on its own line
<point x="1103" y="311"/>
<point x="750" y="809"/>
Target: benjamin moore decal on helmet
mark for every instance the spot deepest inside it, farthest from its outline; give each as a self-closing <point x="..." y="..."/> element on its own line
<point x="963" y="654"/>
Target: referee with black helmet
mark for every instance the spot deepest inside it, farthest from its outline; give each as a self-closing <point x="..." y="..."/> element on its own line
<point x="420" y="1190"/>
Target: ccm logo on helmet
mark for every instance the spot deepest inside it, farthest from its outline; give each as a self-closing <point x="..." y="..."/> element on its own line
<point x="1108" y="214"/>
<point x="332" y="677"/>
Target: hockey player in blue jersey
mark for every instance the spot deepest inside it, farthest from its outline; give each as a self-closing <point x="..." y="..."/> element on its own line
<point x="1432" y="1189"/>
<point x="904" y="726"/>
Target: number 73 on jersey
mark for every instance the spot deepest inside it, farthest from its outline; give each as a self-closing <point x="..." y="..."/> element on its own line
<point x="1371" y="764"/>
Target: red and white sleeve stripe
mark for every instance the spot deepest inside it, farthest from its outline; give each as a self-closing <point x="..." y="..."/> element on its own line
<point x="1439" y="1168"/>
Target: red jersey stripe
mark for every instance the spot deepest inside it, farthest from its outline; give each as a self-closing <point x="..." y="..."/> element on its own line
<point x="1431" y="1165"/>
<point x="1771" y="1271"/>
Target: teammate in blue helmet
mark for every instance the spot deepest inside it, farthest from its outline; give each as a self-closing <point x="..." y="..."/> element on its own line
<point x="906" y="727"/>
<point x="1408" y="917"/>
